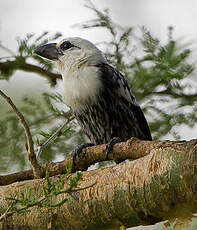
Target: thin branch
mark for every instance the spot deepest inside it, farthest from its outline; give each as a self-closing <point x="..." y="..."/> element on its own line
<point x="7" y="57"/>
<point x="7" y="50"/>
<point x="57" y="133"/>
<point x="6" y="213"/>
<point x="37" y="171"/>
<point x="8" y="65"/>
<point x="171" y="93"/>
<point x="53" y="77"/>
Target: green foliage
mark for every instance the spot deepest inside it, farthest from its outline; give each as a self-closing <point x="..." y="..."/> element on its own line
<point x="48" y="194"/>
<point x="39" y="114"/>
<point x="160" y="76"/>
<point x="24" y="56"/>
<point x="27" y="46"/>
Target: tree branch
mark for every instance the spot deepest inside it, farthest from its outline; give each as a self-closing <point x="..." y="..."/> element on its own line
<point x="156" y="187"/>
<point x="6" y="67"/>
<point x="132" y="149"/>
<point x="171" y="93"/>
<point x="37" y="170"/>
<point x="88" y="156"/>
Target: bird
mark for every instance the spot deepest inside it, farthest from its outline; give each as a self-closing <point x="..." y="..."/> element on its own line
<point x="98" y="95"/>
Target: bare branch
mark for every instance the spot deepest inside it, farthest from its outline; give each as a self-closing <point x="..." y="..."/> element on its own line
<point x="37" y="170"/>
<point x="6" y="213"/>
<point x="8" y="65"/>
<point x="57" y="133"/>
<point x="131" y="149"/>
<point x="157" y="187"/>
<point x="7" y="50"/>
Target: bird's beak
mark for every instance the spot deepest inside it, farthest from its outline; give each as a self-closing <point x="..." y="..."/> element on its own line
<point x="49" y="51"/>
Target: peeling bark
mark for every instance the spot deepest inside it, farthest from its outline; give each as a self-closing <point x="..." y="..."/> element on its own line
<point x="131" y="149"/>
<point x="156" y="187"/>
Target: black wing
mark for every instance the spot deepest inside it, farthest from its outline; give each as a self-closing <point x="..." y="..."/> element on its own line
<point x="115" y="86"/>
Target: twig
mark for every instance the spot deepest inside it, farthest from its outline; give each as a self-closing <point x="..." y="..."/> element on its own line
<point x="6" y="213"/>
<point x="7" y="50"/>
<point x="57" y="133"/>
<point x="37" y="170"/>
<point x="6" y="57"/>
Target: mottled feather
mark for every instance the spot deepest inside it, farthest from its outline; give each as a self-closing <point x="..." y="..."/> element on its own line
<point x="98" y="94"/>
<point x="116" y="112"/>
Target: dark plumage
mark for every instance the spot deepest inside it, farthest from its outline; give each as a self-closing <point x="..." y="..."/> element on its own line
<point x="98" y="95"/>
<point x="113" y="115"/>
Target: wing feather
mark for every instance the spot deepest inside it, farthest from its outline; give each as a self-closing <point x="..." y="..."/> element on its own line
<point x="116" y="84"/>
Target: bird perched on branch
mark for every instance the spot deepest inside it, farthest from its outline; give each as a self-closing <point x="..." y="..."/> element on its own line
<point x="98" y="95"/>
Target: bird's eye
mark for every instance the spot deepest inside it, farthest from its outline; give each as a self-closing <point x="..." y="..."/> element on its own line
<point x="66" y="45"/>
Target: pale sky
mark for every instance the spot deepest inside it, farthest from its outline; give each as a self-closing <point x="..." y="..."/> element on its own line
<point x="19" y="17"/>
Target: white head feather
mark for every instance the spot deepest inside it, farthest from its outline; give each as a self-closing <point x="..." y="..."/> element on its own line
<point x="80" y="76"/>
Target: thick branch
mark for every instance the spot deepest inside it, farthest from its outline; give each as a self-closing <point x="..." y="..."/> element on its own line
<point x="156" y="187"/>
<point x="132" y="149"/>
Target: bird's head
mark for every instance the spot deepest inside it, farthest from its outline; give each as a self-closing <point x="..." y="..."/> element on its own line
<point x="71" y="52"/>
<point x="76" y="59"/>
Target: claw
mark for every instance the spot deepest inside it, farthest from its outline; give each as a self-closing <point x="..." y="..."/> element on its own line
<point x="110" y="145"/>
<point x="78" y="150"/>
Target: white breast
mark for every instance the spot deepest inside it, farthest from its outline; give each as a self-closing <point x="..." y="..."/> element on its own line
<point x="81" y="86"/>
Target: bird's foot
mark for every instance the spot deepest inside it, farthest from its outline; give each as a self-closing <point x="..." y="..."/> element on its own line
<point x="78" y="150"/>
<point x="110" y="145"/>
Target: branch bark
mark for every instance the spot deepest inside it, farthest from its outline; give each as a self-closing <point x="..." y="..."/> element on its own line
<point x="8" y="66"/>
<point x="156" y="187"/>
<point x="131" y="149"/>
<point x="37" y="170"/>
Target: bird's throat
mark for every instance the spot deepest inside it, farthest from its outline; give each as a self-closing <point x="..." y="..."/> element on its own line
<point x="81" y="86"/>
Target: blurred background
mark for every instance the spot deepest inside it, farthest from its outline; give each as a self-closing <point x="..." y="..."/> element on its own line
<point x="19" y="18"/>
